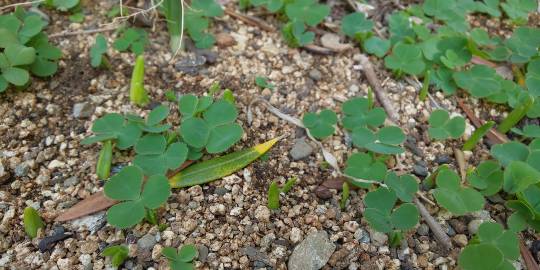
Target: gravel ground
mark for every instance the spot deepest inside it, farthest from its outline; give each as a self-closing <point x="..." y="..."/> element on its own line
<point x="43" y="165"/>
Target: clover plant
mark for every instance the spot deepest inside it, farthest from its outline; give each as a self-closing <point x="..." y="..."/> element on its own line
<point x="155" y="157"/>
<point x="117" y="253"/>
<point x="263" y="82"/>
<point x="488" y="177"/>
<point x="127" y="187"/>
<point x="491" y="248"/>
<point x="454" y="197"/>
<point x="442" y="127"/>
<point x="364" y="166"/>
<point x="181" y="259"/>
<point x="530" y="131"/>
<point x="98" y="53"/>
<point x="208" y="125"/>
<point x="25" y="49"/>
<point x="320" y="125"/>
<point x="133" y="39"/>
<point x="382" y="216"/>
<point x="197" y="20"/>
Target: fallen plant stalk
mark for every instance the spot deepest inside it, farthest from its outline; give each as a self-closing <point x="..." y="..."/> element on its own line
<point x="435" y="227"/>
<point x="493" y="135"/>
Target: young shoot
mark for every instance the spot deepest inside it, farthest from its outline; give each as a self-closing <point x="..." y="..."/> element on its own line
<point x="137" y="93"/>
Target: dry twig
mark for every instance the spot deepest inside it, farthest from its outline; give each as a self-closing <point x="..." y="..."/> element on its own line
<point x="83" y="32"/>
<point x="254" y="21"/>
<point x="29" y="3"/>
<point x="435" y="227"/>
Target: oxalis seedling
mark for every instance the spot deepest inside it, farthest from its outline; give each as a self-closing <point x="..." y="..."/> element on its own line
<point x="320" y="125"/>
<point x="118" y="254"/>
<point x="32" y="221"/>
<point x="25" y="49"/>
<point x="442" y="127"/>
<point x="181" y="259"/>
<point x="133" y="39"/>
<point x="274" y="190"/>
<point x="98" y="53"/>
<point x="263" y="83"/>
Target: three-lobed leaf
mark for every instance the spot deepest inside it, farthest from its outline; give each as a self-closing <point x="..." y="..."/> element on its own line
<point x="442" y="127"/>
<point x="405" y="58"/>
<point x="455" y="198"/>
<point x="308" y="11"/>
<point x="379" y="214"/>
<point x="117" y="253"/>
<point x="320" y="125"/>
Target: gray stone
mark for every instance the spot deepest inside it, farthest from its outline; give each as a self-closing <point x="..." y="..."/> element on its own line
<point x="203" y="253"/>
<point x="190" y="64"/>
<point x="72" y="181"/>
<point x="473" y="225"/>
<point x="378" y="239"/>
<point x="147" y="242"/>
<point x="22" y="169"/>
<point x="301" y="149"/>
<point x="312" y="253"/>
<point x="315" y="74"/>
<point x="4" y="175"/>
<point x="362" y="236"/>
<point x="420" y="169"/>
<point x="91" y="223"/>
<point x="83" y="110"/>
<point x="255" y="255"/>
<point x="221" y="191"/>
<point x="423" y="229"/>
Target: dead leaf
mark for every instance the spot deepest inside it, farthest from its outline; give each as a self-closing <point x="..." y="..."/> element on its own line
<point x="93" y="204"/>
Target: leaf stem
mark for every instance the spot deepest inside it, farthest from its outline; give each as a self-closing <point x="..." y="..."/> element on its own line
<point x="515" y="115"/>
<point x="425" y="86"/>
<point x="477" y="135"/>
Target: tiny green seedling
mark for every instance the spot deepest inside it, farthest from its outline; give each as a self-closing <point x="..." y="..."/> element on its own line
<point x="455" y="198"/>
<point x="274" y="190"/>
<point x="171" y="96"/>
<point x="154" y="156"/>
<point x="344" y="196"/>
<point x="103" y="167"/>
<point x="98" y="53"/>
<point x="181" y="259"/>
<point x="263" y="82"/>
<point x="32" y="222"/>
<point x="488" y="178"/>
<point x="137" y="93"/>
<point x="117" y="253"/>
<point x="133" y="39"/>
<point x="308" y="11"/>
<point x="126" y="187"/>
<point x="228" y="96"/>
<point x="320" y="125"/>
<point x="516" y="115"/>
<point x="442" y="127"/>
<point x="197" y="19"/>
<point x="491" y="248"/>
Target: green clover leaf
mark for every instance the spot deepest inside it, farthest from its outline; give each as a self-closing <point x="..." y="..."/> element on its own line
<point x="405" y="58"/>
<point x="356" y="25"/>
<point x="455" y="198"/>
<point x="126" y="186"/>
<point x="519" y="175"/>
<point x="64" y="5"/>
<point x="358" y="113"/>
<point x="488" y="178"/>
<point x="363" y="166"/>
<point x="307" y="11"/>
<point x="480" y="81"/>
<point x="189" y="105"/>
<point x="383" y="141"/>
<point x="154" y="157"/>
<point x="134" y="39"/>
<point x="377" y="46"/>
<point x="505" y="153"/>
<point x="493" y="248"/>
<point x="379" y="214"/>
<point x="181" y="259"/>
<point x="400" y="27"/>
<point x="98" y="50"/>
<point x="519" y="9"/>
<point x="114" y="126"/>
<point x="271" y="5"/>
<point x="523" y="44"/>
<point x="533" y="77"/>
<point x="530" y="131"/>
<point x="31" y="26"/>
<point x="442" y="127"/>
<point x="405" y="186"/>
<point x="208" y="8"/>
<point x="320" y="125"/>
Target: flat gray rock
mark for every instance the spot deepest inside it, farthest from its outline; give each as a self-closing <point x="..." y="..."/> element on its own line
<point x="301" y="149"/>
<point x="312" y="253"/>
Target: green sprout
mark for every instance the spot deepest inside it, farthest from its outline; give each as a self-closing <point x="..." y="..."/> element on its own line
<point x="98" y="53"/>
<point x="118" y="254"/>
<point x="103" y="167"/>
<point x="262" y="82"/>
<point x="126" y="187"/>
<point x="320" y="125"/>
<point x="137" y="93"/>
<point x="516" y="115"/>
<point x="491" y="248"/>
<point x="181" y="259"/>
<point x="295" y="35"/>
<point x="442" y="127"/>
<point x="274" y="190"/>
<point x="488" y="178"/>
<point x="172" y="9"/>
<point x="455" y="198"/>
<point x="344" y="196"/>
<point x="477" y="135"/>
<point x="32" y="222"/>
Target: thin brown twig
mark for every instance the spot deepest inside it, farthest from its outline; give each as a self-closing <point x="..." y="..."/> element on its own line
<point x="254" y="21"/>
<point x="528" y="259"/>
<point x="83" y="32"/>
<point x="493" y="135"/>
<point x="29" y="3"/>
<point x="435" y="227"/>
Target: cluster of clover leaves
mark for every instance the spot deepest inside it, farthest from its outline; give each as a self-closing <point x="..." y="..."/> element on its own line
<point x="25" y="49"/>
<point x="515" y="170"/>
<point x="207" y="125"/>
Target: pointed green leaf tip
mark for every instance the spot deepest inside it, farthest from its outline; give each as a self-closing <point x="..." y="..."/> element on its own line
<point x="137" y="94"/>
<point x="117" y="253"/>
<point x="126" y="186"/>
<point x="32" y="222"/>
<point x="216" y="168"/>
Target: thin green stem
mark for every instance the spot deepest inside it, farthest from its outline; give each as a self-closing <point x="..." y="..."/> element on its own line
<point x="515" y="115"/>
<point x="425" y="86"/>
<point x="477" y="135"/>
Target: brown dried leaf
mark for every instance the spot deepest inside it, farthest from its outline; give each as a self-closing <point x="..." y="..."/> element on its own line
<point x="93" y="204"/>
